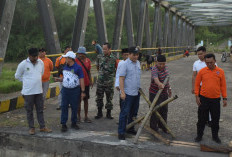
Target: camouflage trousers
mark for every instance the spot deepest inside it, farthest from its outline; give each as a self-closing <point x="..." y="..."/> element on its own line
<point x="108" y="89"/>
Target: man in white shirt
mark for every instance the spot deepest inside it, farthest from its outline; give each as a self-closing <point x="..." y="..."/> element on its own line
<point x="197" y="66"/>
<point x="30" y="72"/>
<point x="125" y="54"/>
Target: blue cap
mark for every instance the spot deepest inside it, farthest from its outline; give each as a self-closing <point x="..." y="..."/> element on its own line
<point x="81" y="50"/>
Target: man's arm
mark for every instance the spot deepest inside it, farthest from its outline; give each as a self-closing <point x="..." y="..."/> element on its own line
<point x="19" y="72"/>
<point x="197" y="88"/>
<point x="50" y="65"/>
<point x="223" y="89"/>
<point x="82" y="84"/>
<point x="121" y="86"/>
<point x="193" y="80"/>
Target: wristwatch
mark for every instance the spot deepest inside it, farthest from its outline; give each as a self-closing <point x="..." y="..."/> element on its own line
<point x="224" y="98"/>
<point x="82" y="91"/>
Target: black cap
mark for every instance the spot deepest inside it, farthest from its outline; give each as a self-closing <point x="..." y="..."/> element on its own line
<point x="33" y="52"/>
<point x="125" y="50"/>
<point x="161" y="58"/>
<point x="133" y="49"/>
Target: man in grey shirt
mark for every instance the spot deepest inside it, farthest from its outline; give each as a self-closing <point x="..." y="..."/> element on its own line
<point x="129" y="74"/>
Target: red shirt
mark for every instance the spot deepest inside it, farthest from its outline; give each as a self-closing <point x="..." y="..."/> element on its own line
<point x="87" y="64"/>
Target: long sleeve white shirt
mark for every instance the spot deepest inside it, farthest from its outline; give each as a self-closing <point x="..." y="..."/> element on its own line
<point x="31" y="76"/>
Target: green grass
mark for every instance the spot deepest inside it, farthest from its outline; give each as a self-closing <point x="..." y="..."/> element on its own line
<point x="8" y="82"/>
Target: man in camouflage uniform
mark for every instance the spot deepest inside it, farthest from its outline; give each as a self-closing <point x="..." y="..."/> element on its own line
<point x="106" y="66"/>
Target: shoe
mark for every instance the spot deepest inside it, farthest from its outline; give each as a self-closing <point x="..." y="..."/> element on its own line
<point x="99" y="113"/>
<point x="58" y="108"/>
<point x="108" y="115"/>
<point x="217" y="140"/>
<point x="165" y="131"/>
<point x="198" y="139"/>
<point x="75" y="126"/>
<point x="121" y="136"/>
<point x="32" y="131"/>
<point x="45" y="130"/>
<point x="132" y="132"/>
<point x="87" y="120"/>
<point x="209" y="123"/>
<point x="64" y="128"/>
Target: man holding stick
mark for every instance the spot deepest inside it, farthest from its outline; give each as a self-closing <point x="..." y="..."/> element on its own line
<point x="158" y="74"/>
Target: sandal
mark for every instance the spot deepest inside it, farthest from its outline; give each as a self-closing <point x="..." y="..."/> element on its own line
<point x="87" y="120"/>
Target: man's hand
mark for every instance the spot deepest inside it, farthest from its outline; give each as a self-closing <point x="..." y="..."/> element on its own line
<point x="169" y="92"/>
<point x="161" y="86"/>
<point x="123" y="95"/>
<point x="193" y="91"/>
<point x="198" y="100"/>
<point x="82" y="96"/>
<point x="58" y="79"/>
<point x="224" y="103"/>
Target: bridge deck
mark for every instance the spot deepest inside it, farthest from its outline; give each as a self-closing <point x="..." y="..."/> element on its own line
<point x="182" y="115"/>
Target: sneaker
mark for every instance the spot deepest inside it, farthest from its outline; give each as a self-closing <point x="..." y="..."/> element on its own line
<point x="58" y="108"/>
<point x="132" y="132"/>
<point x="32" y="131"/>
<point x="121" y="136"/>
<point x="198" y="139"/>
<point x="75" y="126"/>
<point x="217" y="140"/>
<point x="45" y="130"/>
<point x="64" y="128"/>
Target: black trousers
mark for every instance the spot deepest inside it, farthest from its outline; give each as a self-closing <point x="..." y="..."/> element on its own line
<point x="163" y="111"/>
<point x="212" y="106"/>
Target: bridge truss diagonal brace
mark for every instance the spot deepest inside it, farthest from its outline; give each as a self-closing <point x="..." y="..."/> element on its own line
<point x="7" y="9"/>
<point x="141" y="21"/>
<point x="100" y="21"/>
<point x="156" y="25"/>
<point x="129" y="24"/>
<point x="80" y="24"/>
<point x="49" y="26"/>
<point x="119" y="24"/>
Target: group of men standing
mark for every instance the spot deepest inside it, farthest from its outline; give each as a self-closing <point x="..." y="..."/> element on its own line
<point x="208" y="84"/>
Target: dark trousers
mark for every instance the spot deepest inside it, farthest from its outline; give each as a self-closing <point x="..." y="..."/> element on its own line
<point x="37" y="101"/>
<point x="163" y="111"/>
<point x="129" y="109"/>
<point x="70" y="96"/>
<point x="212" y="106"/>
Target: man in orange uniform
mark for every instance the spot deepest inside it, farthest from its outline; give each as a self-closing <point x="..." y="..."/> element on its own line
<point x="208" y="96"/>
<point x="60" y="62"/>
<point x="48" y="67"/>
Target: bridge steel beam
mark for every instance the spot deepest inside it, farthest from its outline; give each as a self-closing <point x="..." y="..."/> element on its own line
<point x="79" y="29"/>
<point x="179" y="32"/>
<point x="183" y="34"/>
<point x="147" y="29"/>
<point x="156" y="25"/>
<point x="118" y="24"/>
<point x="129" y="24"/>
<point x="166" y="25"/>
<point x="49" y="26"/>
<point x="174" y="31"/>
<point x="194" y="36"/>
<point x="141" y="21"/>
<point x="7" y="9"/>
<point x="169" y="40"/>
<point x="160" y="30"/>
<point x="100" y="21"/>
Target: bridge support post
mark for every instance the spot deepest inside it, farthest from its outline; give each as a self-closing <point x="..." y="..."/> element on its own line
<point x="100" y="21"/>
<point x="174" y="31"/>
<point x="156" y="25"/>
<point x="166" y="28"/>
<point x="80" y="24"/>
<point x="118" y="25"/>
<point x="194" y="36"/>
<point x="147" y="29"/>
<point x="183" y="33"/>
<point x="129" y="24"/>
<point x="7" y="9"/>
<point x="141" y="21"/>
<point x="179" y="32"/>
<point x="160" y="30"/>
<point x="49" y="26"/>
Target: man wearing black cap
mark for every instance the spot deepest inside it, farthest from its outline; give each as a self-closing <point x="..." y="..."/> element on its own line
<point x="129" y="82"/>
<point x="158" y="74"/>
<point x="30" y="72"/>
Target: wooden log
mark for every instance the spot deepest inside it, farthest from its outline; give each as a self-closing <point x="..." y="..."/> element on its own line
<point x="155" y="109"/>
<point x="157" y="135"/>
<point x="150" y="111"/>
<point x="219" y="149"/>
